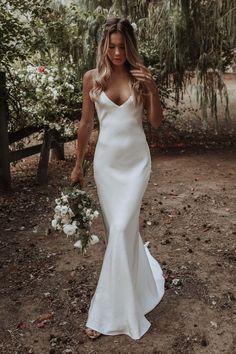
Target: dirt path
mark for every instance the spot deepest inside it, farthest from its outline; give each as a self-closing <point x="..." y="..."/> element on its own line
<point x="191" y="203"/>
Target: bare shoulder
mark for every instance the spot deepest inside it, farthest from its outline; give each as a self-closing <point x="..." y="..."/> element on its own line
<point x="89" y="76"/>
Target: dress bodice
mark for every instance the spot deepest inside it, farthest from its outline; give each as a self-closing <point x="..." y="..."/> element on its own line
<point x="105" y="107"/>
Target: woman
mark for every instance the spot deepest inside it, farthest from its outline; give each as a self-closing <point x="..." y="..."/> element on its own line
<point x="131" y="281"/>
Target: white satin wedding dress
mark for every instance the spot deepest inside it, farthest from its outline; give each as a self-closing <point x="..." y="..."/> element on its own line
<point x="131" y="281"/>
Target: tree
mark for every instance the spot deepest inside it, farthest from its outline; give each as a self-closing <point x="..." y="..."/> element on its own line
<point x="179" y="37"/>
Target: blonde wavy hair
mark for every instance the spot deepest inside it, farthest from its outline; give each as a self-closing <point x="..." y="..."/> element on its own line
<point x="103" y="64"/>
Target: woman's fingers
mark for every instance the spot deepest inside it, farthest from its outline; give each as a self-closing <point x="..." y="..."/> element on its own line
<point x="144" y="72"/>
<point x="76" y="176"/>
<point x="140" y="75"/>
<point x="146" y="78"/>
<point x="143" y="67"/>
<point x="74" y="181"/>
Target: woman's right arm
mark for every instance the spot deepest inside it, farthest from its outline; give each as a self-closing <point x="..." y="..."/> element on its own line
<point x="84" y="129"/>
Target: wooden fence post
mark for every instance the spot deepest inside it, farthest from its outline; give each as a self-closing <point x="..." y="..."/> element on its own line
<point x="57" y="151"/>
<point x="5" y="173"/>
<point x="42" y="176"/>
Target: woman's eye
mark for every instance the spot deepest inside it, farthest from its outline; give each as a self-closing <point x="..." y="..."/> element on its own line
<point x="112" y="47"/>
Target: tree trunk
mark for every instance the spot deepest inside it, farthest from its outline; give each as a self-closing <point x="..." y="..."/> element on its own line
<point x="42" y="176"/>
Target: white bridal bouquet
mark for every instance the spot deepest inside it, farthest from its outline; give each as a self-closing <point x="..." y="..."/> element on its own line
<point x="73" y="214"/>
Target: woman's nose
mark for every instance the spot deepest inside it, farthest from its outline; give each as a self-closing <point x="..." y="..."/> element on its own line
<point x="117" y="51"/>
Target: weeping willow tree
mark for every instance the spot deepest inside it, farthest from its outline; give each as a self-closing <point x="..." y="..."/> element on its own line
<point x="187" y="36"/>
<point x="124" y="8"/>
<point x="177" y="39"/>
<point x="182" y="38"/>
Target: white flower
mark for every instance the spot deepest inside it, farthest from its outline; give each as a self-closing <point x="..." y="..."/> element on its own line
<point x="88" y="212"/>
<point x="38" y="90"/>
<point x="57" y="217"/>
<point x="57" y="126"/>
<point x="176" y="281"/>
<point x="68" y="131"/>
<point x="55" y="94"/>
<point x="94" y="239"/>
<point x="58" y="201"/>
<point x="96" y="213"/>
<point x="69" y="86"/>
<point x="133" y="24"/>
<point x="64" y="210"/>
<point x="32" y="77"/>
<point x="64" y="198"/>
<point x="29" y="68"/>
<point x="69" y="229"/>
<point x="54" y="223"/>
<point x="66" y="219"/>
<point x="58" y="209"/>
<point x="50" y="79"/>
<point x="78" y="244"/>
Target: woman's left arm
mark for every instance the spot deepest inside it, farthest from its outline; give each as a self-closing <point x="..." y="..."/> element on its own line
<point x="154" y="109"/>
<point x="153" y="103"/>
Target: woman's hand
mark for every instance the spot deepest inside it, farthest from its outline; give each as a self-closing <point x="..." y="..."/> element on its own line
<point x="144" y="75"/>
<point x="77" y="175"/>
<point x="153" y="103"/>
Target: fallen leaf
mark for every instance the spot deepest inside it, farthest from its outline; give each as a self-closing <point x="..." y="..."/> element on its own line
<point x="21" y="325"/>
<point x="40" y="324"/>
<point x="45" y="316"/>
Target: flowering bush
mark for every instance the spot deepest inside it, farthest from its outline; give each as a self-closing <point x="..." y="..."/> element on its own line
<point x="47" y="96"/>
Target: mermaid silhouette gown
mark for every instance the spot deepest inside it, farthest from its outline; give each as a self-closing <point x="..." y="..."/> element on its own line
<point x="131" y="281"/>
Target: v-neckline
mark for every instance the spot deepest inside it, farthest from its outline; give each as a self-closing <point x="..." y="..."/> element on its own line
<point x="115" y="104"/>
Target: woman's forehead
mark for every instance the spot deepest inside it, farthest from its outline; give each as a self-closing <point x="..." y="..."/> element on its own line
<point x="116" y="38"/>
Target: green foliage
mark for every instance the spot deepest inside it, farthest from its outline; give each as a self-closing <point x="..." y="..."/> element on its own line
<point x="177" y="38"/>
<point x="42" y="96"/>
<point x="57" y="38"/>
<point x="180" y="37"/>
<point x="16" y="37"/>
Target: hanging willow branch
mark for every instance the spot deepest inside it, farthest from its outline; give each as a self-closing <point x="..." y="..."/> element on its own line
<point x="178" y="39"/>
<point x="187" y="36"/>
<point x="183" y="38"/>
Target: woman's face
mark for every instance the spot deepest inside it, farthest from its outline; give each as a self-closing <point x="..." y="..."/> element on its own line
<point x="116" y="50"/>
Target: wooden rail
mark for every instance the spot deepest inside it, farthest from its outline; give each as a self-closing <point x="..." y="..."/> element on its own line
<point x="51" y="140"/>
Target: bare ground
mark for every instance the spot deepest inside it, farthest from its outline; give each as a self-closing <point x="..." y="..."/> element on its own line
<point x="46" y="286"/>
